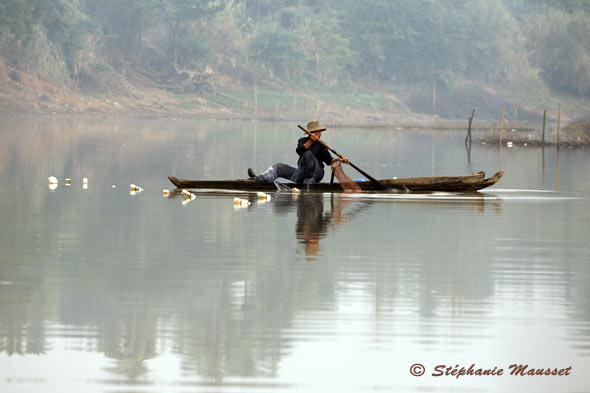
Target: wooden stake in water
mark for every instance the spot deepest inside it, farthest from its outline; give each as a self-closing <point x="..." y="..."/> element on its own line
<point x="557" y="169"/>
<point x="469" y="119"/>
<point x="500" y="135"/>
<point x="255" y="92"/>
<point x="543" y="140"/>
<point x="501" y="120"/>
<point x="434" y="95"/>
<point x="543" y="134"/>
<point x="558" y="122"/>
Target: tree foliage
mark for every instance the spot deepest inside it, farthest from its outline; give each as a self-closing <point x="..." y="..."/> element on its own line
<point x="517" y="43"/>
<point x="559" y="44"/>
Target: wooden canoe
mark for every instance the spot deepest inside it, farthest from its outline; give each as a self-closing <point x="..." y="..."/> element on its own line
<point x="466" y="183"/>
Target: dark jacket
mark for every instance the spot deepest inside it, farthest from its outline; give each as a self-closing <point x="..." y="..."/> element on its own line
<point x="320" y="152"/>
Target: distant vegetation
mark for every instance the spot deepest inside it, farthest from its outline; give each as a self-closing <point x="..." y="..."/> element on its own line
<point x="519" y="45"/>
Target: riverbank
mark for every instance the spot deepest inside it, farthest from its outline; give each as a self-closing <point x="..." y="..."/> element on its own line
<point x="349" y="106"/>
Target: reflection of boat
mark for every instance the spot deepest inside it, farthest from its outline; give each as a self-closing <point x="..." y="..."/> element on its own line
<point x="467" y="183"/>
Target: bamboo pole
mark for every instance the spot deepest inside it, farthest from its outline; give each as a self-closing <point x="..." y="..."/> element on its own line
<point x="558" y="134"/>
<point x="501" y="120"/>
<point x="255" y="92"/>
<point x="434" y="95"/>
<point x="543" y="134"/>
<point x="557" y="169"/>
<point x="543" y="141"/>
<point x="500" y="135"/>
<point x="469" y="119"/>
<point x="558" y="122"/>
<point x="433" y="135"/>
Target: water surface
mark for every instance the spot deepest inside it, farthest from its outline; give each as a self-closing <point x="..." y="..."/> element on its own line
<point x="104" y="291"/>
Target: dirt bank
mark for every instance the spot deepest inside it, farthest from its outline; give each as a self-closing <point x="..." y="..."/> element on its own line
<point x="131" y="96"/>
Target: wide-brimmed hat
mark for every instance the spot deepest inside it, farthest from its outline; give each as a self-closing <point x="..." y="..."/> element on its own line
<point x="314" y="126"/>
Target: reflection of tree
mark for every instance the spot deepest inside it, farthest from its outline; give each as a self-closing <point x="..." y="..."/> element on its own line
<point x="25" y="303"/>
<point x="22" y="331"/>
<point x="235" y="327"/>
<point x="130" y="339"/>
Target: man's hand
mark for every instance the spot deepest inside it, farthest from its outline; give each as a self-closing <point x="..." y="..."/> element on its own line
<point x="344" y="160"/>
<point x="313" y="138"/>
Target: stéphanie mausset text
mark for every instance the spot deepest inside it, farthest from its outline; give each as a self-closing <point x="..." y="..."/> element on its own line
<point x="523" y="370"/>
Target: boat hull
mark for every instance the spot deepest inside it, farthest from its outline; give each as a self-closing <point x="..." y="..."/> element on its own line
<point x="467" y="183"/>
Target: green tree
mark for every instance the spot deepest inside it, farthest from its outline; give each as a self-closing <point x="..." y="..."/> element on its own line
<point x="276" y="50"/>
<point x="559" y="43"/>
<point x="181" y="13"/>
<point x="124" y="22"/>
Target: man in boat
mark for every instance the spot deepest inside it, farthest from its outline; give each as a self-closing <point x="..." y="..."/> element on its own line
<point x="310" y="166"/>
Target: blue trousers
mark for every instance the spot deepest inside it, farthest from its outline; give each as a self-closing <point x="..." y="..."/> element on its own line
<point x="309" y="170"/>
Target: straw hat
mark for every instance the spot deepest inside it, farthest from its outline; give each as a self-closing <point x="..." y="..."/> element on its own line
<point x="314" y="126"/>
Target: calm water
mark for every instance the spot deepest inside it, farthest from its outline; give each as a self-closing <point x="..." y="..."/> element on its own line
<point x="104" y="291"/>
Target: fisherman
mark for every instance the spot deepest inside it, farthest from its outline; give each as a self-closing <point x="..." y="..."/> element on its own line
<point x="310" y="166"/>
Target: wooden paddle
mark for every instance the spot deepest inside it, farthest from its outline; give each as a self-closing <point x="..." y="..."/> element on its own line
<point x="371" y="179"/>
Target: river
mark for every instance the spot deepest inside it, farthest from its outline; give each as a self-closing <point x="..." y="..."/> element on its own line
<point x="101" y="290"/>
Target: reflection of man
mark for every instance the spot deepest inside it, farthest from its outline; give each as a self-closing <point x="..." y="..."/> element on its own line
<point x="313" y="223"/>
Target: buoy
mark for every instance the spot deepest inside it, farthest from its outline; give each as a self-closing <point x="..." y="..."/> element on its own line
<point x="166" y="193"/>
<point x="187" y="197"/>
<point x="134" y="190"/>
<point x="263" y="196"/>
<point x="68" y="182"/>
<point x="241" y="202"/>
